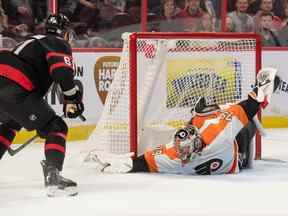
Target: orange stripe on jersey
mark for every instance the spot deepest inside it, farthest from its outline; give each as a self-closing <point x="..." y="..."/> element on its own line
<point x="211" y="132"/>
<point x="239" y="112"/>
<point x="58" y="65"/>
<point x="170" y="152"/>
<point x="56" y="54"/>
<point x="225" y="116"/>
<point x="235" y="158"/>
<point x="198" y="121"/>
<point x="150" y="155"/>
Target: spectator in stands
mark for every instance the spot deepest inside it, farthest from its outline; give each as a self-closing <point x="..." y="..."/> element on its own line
<point x="165" y="20"/>
<point x="40" y="28"/>
<point x="190" y="15"/>
<point x="283" y="33"/>
<point x="98" y="42"/>
<point x="206" y="23"/>
<point x="181" y="4"/>
<point x="154" y="6"/>
<point x="24" y="16"/>
<point x="21" y="12"/>
<point x="89" y="4"/>
<point x="19" y="32"/>
<point x="3" y="19"/>
<point x="40" y="11"/>
<point x="120" y="20"/>
<point x="268" y="33"/>
<point x="134" y="3"/>
<point x="254" y="6"/>
<point x="207" y="6"/>
<point x="278" y="8"/>
<point x="118" y="4"/>
<point x="135" y="14"/>
<point x="5" y="42"/>
<point x="266" y="6"/>
<point x="231" y="5"/>
<point x="87" y="11"/>
<point x="229" y="25"/>
<point x="133" y="8"/>
<point x="67" y="7"/>
<point x="168" y="9"/>
<point x="109" y="8"/>
<point x="154" y="21"/>
<point x="80" y="36"/>
<point x="240" y="19"/>
<point x="217" y="7"/>
<point x="252" y="9"/>
<point x="285" y="15"/>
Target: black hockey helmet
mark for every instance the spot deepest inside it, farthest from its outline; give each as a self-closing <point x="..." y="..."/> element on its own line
<point x="58" y="24"/>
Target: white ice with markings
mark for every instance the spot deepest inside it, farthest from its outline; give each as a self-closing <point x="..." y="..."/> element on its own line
<point x="259" y="191"/>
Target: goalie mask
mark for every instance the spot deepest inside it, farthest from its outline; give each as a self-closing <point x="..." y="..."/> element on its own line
<point x="187" y="140"/>
<point x="59" y="24"/>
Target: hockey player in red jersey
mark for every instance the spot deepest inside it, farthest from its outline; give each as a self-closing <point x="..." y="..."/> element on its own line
<point x="215" y="140"/>
<point x="26" y="74"/>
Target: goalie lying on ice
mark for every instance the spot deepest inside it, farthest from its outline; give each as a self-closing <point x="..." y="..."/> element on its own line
<point x="215" y="141"/>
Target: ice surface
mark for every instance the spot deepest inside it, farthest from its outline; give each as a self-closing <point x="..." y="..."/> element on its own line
<point x="259" y="191"/>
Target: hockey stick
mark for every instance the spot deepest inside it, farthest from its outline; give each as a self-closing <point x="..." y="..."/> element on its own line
<point x="13" y="152"/>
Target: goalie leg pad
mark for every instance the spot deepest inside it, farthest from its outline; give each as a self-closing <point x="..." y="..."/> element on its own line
<point x="139" y="165"/>
<point x="245" y="143"/>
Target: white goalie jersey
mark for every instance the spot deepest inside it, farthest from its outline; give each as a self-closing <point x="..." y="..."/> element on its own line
<point x="220" y="153"/>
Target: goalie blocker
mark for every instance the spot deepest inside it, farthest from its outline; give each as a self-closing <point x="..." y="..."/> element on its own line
<point x="215" y="141"/>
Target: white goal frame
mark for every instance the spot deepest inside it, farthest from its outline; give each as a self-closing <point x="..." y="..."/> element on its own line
<point x="133" y="118"/>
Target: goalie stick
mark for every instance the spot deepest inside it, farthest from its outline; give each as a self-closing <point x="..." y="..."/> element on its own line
<point x="13" y="152"/>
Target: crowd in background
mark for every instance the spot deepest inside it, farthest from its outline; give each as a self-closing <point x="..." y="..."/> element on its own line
<point x="100" y="23"/>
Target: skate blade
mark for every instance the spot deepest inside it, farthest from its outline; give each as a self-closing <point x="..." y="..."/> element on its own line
<point x="54" y="191"/>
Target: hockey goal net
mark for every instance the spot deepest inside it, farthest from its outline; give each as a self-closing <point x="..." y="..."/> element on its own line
<point x="160" y="78"/>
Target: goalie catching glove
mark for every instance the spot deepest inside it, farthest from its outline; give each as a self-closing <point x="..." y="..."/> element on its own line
<point x="73" y="105"/>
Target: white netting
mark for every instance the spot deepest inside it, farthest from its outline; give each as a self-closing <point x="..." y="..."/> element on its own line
<point x="171" y="76"/>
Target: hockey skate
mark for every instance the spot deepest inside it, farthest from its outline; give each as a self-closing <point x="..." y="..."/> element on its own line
<point x="55" y="183"/>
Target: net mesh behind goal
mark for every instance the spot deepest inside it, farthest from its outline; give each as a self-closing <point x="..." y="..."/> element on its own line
<point x="161" y="77"/>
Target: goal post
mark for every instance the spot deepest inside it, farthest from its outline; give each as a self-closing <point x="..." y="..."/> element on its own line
<point x="160" y="78"/>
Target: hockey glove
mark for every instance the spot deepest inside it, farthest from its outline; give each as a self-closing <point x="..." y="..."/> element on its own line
<point x="73" y="105"/>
